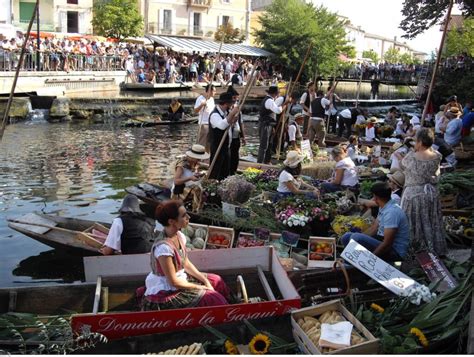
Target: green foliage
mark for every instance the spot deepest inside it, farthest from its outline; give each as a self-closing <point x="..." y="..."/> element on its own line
<point x="392" y="55"/>
<point x="406" y="58"/>
<point x="117" y="19"/>
<point x="420" y="15"/>
<point x="461" y="40"/>
<point x="372" y="55"/>
<point x="289" y="26"/>
<point x="231" y="34"/>
<point x="459" y="82"/>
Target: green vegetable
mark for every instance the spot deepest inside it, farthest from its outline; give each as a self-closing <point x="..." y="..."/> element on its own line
<point x="200" y="233"/>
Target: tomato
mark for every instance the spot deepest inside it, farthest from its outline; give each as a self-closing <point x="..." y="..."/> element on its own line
<point x="318" y="257"/>
<point x="328" y="250"/>
<point x="319" y="250"/>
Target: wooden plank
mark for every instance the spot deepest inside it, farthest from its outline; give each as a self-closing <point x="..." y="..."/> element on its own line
<point x="286" y="287"/>
<point x="266" y="286"/>
<point x="38" y="225"/>
<point x="98" y="289"/>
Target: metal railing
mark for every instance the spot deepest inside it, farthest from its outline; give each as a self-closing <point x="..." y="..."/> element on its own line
<point x="61" y="62"/>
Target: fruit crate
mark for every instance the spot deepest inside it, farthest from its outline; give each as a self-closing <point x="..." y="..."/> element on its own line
<point x="321" y="252"/>
<point x="308" y="346"/>
<point x="247" y="240"/>
<point x="219" y="238"/>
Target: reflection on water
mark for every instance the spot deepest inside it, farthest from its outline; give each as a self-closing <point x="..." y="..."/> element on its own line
<point x="75" y="169"/>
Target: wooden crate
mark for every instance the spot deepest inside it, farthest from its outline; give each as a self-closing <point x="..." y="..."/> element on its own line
<point x="249" y="237"/>
<point x="228" y="233"/>
<point x="448" y="201"/>
<point x="203" y="226"/>
<point x="329" y="258"/>
<point x="371" y="346"/>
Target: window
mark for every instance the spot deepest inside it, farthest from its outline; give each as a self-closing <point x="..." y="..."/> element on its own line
<point x="225" y="20"/>
<point x="197" y="23"/>
<point x="26" y="11"/>
<point x="74" y="2"/>
<point x="72" y="22"/>
<point x="167" y="21"/>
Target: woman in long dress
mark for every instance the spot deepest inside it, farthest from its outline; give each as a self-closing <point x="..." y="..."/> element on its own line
<point x="421" y="197"/>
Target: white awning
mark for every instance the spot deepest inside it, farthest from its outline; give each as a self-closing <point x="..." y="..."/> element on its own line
<point x="188" y="45"/>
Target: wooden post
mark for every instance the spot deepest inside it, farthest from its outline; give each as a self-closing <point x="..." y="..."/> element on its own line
<point x="17" y="73"/>
<point x="358" y="87"/>
<point x="221" y="144"/>
<point x="438" y="60"/>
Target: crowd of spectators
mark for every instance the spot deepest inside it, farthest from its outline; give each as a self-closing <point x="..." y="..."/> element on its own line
<point x="384" y="71"/>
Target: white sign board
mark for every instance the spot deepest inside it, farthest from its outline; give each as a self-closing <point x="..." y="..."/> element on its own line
<point x="371" y="265"/>
<point x="306" y="150"/>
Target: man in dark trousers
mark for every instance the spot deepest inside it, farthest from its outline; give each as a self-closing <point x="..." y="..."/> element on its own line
<point x="219" y="121"/>
<point x="269" y="109"/>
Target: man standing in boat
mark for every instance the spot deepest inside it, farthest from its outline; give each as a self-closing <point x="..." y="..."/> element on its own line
<point x="204" y="106"/>
<point x="219" y="122"/>
<point x="131" y="232"/>
<point x="267" y="123"/>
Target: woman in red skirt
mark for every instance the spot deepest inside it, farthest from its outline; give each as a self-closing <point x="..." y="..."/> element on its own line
<point x="174" y="281"/>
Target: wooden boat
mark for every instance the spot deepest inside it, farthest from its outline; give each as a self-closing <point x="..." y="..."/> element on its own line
<point x="332" y="140"/>
<point x="156" y="87"/>
<point x="154" y="121"/>
<point x="106" y="303"/>
<point x="149" y="193"/>
<point x="77" y="236"/>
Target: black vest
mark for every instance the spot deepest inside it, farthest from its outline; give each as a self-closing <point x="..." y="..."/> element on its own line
<point x="307" y="102"/>
<point x="267" y="117"/>
<point x="137" y="235"/>
<point x="235" y="79"/>
<point x="215" y="134"/>
<point x="317" y="109"/>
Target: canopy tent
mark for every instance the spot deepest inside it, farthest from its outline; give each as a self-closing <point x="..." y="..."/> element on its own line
<point x="183" y="44"/>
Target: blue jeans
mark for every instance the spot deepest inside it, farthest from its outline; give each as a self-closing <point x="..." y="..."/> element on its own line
<point x="330" y="187"/>
<point x="370" y="243"/>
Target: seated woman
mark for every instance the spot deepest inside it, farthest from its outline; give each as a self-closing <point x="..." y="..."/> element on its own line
<point x="353" y="147"/>
<point x="402" y="127"/>
<point x="174" y="281"/>
<point x="175" y="110"/>
<point x="345" y="173"/>
<point x="288" y="183"/>
<point x="186" y="176"/>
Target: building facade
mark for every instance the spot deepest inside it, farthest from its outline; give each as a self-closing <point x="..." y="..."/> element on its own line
<point x="66" y="16"/>
<point x="199" y="18"/>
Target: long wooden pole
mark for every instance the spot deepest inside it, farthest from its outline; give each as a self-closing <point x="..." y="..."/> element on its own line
<point x="285" y="116"/>
<point x="221" y="144"/>
<point x="359" y="85"/>
<point x="280" y="126"/>
<point x="438" y="60"/>
<point x="17" y="73"/>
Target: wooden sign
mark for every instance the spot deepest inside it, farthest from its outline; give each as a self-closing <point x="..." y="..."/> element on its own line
<point x="289" y="238"/>
<point x="436" y="271"/>
<point x="371" y="265"/>
<point x="306" y="150"/>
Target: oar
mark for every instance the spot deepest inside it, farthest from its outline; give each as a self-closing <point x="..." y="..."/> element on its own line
<point x="84" y="236"/>
<point x="288" y="95"/>
<point x="221" y="144"/>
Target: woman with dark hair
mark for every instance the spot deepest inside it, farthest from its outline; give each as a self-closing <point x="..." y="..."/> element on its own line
<point x="288" y="183"/>
<point x="174" y="281"/>
<point x="421" y="197"/>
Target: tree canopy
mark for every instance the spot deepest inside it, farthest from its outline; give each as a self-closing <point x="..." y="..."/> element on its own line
<point x="461" y="41"/>
<point x="420" y="15"/>
<point x="288" y="28"/>
<point x="372" y="55"/>
<point x="392" y="55"/>
<point x="117" y="19"/>
<point x="231" y="34"/>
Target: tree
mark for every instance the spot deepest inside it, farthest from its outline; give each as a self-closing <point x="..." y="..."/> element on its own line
<point x="231" y="34"/>
<point x="372" y="55"/>
<point x="289" y="26"/>
<point x="461" y="40"/>
<point x="392" y="55"/>
<point x="406" y="58"/>
<point x="117" y="19"/>
<point x="420" y="15"/>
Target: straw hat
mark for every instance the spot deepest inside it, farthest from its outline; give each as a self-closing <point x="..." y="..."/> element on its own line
<point x="454" y="112"/>
<point x="372" y="120"/>
<point x="398" y="178"/>
<point x="197" y="152"/>
<point x="130" y="204"/>
<point x="293" y="158"/>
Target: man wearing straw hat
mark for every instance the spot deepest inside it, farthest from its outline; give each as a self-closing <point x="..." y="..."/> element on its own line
<point x="266" y="124"/>
<point x="219" y="121"/>
<point x="131" y="232"/>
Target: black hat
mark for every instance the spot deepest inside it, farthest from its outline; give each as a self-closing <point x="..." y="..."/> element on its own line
<point x="226" y="97"/>
<point x="273" y="90"/>
<point x="232" y="91"/>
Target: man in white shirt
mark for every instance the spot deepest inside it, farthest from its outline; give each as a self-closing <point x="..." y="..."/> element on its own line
<point x="306" y="99"/>
<point x="294" y="132"/>
<point x="219" y="121"/>
<point x="204" y="106"/>
<point x="317" y="127"/>
<point x="267" y="123"/>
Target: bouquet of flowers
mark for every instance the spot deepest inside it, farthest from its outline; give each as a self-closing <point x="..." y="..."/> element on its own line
<point x="268" y="180"/>
<point x="294" y="212"/>
<point x="236" y="190"/>
<point x="251" y="174"/>
<point x="345" y="224"/>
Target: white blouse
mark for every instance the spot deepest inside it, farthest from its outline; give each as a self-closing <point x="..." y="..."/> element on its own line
<point x="156" y="283"/>
<point x="285" y="177"/>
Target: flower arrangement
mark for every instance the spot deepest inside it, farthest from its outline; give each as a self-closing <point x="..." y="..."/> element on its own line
<point x="418" y="292"/>
<point x="251" y="174"/>
<point x="235" y="189"/>
<point x="260" y="344"/>
<point x="345" y="224"/>
<point x="294" y="212"/>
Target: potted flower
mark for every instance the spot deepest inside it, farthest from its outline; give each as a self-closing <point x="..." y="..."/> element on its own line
<point x="234" y="192"/>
